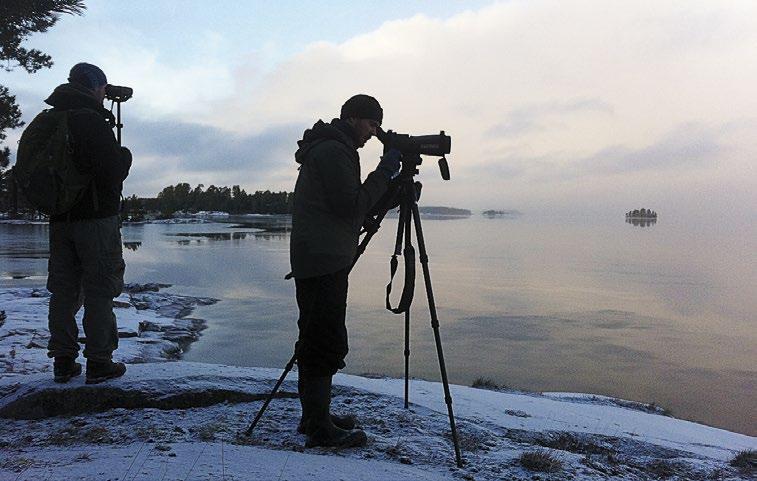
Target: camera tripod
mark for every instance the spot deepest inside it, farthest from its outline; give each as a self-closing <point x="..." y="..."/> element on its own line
<point x="404" y="192"/>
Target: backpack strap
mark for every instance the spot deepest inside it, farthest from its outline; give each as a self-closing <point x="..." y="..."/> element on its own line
<point x="72" y="146"/>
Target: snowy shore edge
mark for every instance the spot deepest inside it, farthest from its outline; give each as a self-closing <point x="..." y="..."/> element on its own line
<point x="153" y="326"/>
<point x="171" y="419"/>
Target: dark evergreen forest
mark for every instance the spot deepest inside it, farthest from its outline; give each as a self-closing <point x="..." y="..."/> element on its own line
<point x="234" y="200"/>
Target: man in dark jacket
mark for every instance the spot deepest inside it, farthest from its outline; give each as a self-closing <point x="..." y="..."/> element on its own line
<point x="330" y="204"/>
<point x="86" y="263"/>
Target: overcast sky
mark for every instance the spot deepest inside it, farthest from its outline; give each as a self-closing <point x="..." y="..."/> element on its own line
<point x="553" y="106"/>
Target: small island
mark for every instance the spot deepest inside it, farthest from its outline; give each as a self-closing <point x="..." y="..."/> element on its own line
<point x="641" y="217"/>
<point x="509" y="213"/>
<point x="439" y="211"/>
<point x="641" y="214"/>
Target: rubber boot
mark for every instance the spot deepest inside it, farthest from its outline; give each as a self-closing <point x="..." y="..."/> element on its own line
<point x="320" y="430"/>
<point x="302" y="427"/>
<point x="347" y="421"/>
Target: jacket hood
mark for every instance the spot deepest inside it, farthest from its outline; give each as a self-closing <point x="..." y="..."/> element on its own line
<point x="73" y="96"/>
<point x="338" y="130"/>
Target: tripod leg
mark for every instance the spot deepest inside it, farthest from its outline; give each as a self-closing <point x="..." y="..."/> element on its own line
<point x="407" y="358"/>
<point x="273" y="392"/>
<point x="119" y="125"/>
<point x="406" y="224"/>
<point x="435" y="326"/>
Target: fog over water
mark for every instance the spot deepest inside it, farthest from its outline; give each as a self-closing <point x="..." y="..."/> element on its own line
<point x="663" y="313"/>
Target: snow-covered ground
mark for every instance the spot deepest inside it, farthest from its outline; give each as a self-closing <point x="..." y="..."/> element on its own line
<point x="183" y="421"/>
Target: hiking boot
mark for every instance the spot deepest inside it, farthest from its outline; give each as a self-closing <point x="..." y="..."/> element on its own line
<point x="319" y="427"/>
<point x="102" y="371"/>
<point x="64" y="368"/>
<point x="344" y="422"/>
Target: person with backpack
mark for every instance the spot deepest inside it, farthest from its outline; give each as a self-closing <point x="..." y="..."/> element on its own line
<point x="86" y="263"/>
<point x="330" y="205"/>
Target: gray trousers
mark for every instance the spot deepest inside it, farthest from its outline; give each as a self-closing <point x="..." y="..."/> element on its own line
<point x="86" y="267"/>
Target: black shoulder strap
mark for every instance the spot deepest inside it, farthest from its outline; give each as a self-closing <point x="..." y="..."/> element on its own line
<point x="72" y="145"/>
<point x="406" y="299"/>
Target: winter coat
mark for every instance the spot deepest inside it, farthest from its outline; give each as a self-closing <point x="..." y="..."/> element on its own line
<point x="330" y="203"/>
<point x="95" y="149"/>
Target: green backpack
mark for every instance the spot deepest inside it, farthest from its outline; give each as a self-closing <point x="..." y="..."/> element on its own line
<point x="45" y="170"/>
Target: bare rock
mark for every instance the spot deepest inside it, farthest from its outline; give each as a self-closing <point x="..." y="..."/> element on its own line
<point x="133" y="287"/>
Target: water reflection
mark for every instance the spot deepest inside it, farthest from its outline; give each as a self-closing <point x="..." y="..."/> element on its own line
<point x="541" y="305"/>
<point x="216" y="236"/>
<point x="507" y="214"/>
<point x="641" y="222"/>
<point x="227" y="236"/>
<point x="23" y="241"/>
<point x="394" y="214"/>
<point x="132" y="246"/>
<point x="277" y="223"/>
<point x="277" y="228"/>
<point x="278" y="233"/>
<point x="259" y="227"/>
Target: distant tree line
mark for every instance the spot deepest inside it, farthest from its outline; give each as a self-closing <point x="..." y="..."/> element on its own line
<point x="234" y="200"/>
<point x="174" y="198"/>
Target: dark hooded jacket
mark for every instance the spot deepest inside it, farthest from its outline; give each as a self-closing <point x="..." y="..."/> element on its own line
<point x="95" y="149"/>
<point x="330" y="203"/>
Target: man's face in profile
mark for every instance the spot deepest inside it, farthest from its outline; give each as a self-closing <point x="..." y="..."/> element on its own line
<point x="99" y="93"/>
<point x="364" y="130"/>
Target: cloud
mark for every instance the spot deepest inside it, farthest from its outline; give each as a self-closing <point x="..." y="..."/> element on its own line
<point x="587" y="103"/>
<point x="533" y="118"/>
<point x="208" y="149"/>
<point x="550" y="93"/>
<point x="171" y="152"/>
<point x="687" y="146"/>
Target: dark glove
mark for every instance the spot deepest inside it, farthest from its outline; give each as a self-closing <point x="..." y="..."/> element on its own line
<point x="110" y="119"/>
<point x="390" y="164"/>
<point x="126" y="155"/>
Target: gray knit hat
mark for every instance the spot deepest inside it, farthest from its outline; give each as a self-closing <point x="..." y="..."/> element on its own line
<point x="362" y="106"/>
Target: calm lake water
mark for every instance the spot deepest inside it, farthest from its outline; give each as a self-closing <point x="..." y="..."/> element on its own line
<point x="662" y="313"/>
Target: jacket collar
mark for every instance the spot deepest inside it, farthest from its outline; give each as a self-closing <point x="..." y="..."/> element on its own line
<point x="337" y="129"/>
<point x="72" y="96"/>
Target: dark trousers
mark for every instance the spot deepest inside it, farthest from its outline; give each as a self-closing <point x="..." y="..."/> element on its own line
<point x="322" y="343"/>
<point x="86" y="267"/>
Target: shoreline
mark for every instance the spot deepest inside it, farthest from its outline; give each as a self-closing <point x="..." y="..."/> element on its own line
<point x="153" y="326"/>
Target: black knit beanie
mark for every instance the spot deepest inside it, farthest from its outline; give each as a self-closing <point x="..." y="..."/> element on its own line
<point x="362" y="106"/>
<point x="87" y="75"/>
